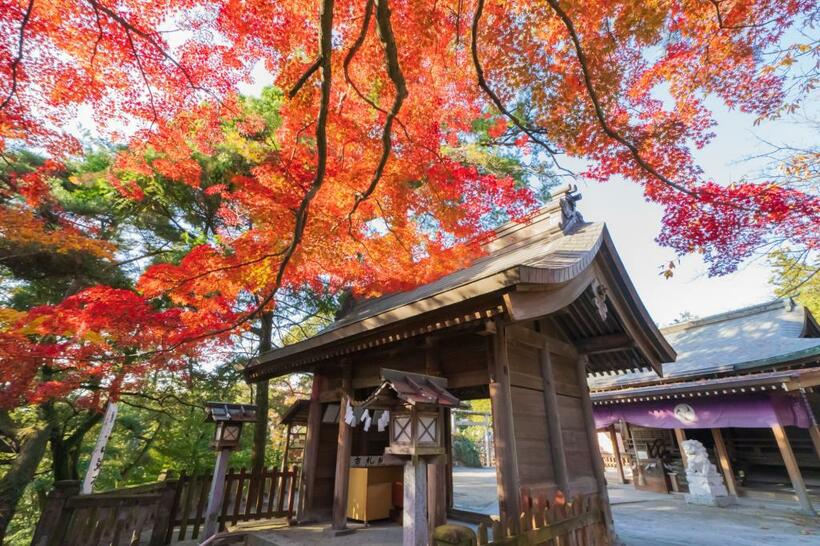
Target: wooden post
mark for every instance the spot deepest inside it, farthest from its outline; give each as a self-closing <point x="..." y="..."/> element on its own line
<point x="55" y="518"/>
<point x="448" y="444"/>
<point x="436" y="472"/>
<point x="304" y="510"/>
<point x="814" y="432"/>
<point x="415" y="529"/>
<point x="506" y="461"/>
<point x="725" y="462"/>
<point x="216" y="494"/>
<point x="94" y="465"/>
<point x="613" y="437"/>
<point x="164" y="522"/>
<point x="794" y="471"/>
<point x="680" y="436"/>
<point x="343" y="450"/>
<point x="554" y="432"/>
<point x="286" y="453"/>
<point x="595" y="450"/>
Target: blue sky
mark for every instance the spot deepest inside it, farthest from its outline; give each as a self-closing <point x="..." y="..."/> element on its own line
<point x="634" y="224"/>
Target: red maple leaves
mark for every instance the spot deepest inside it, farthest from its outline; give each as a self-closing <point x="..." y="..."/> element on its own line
<point x="365" y="173"/>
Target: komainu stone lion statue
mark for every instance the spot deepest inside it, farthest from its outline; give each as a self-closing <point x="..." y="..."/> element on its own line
<point x="697" y="459"/>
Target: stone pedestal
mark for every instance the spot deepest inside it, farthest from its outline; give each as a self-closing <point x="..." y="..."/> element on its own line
<point x="705" y="482"/>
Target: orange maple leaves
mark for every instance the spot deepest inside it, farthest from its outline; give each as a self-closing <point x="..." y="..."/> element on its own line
<point x="355" y="179"/>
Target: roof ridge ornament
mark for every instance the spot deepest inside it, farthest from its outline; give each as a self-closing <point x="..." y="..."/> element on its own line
<point x="570" y="215"/>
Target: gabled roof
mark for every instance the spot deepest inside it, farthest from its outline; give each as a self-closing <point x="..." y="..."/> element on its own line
<point x="776" y="333"/>
<point x="553" y="247"/>
<point x="413" y="389"/>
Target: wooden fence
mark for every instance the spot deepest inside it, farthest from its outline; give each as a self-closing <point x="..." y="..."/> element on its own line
<point x="610" y="463"/>
<point x="579" y="522"/>
<point x="247" y="497"/>
<point x="131" y="515"/>
<point x="160" y="513"/>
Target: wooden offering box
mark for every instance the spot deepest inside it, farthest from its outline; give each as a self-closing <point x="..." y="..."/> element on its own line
<point x="370" y="496"/>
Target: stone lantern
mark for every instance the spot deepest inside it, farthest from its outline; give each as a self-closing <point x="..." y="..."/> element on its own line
<point x="416" y="404"/>
<point x="229" y="419"/>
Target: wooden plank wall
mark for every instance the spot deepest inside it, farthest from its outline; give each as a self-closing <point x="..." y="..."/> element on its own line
<point x="535" y="465"/>
<point x="579" y="453"/>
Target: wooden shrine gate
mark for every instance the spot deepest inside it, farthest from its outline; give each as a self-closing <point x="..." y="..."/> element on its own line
<point x="163" y="512"/>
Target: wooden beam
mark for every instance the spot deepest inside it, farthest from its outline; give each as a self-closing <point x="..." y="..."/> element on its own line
<point x="594" y="448"/>
<point x="794" y="471"/>
<point x="343" y="449"/>
<point x="680" y="436"/>
<point x="531" y="305"/>
<point x="506" y="461"/>
<point x="605" y="344"/>
<point x="725" y="461"/>
<point x="306" y="507"/>
<point x="613" y="437"/>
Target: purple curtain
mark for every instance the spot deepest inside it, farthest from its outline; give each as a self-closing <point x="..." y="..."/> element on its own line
<point x="743" y="411"/>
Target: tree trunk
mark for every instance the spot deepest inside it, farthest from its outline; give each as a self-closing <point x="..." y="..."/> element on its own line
<point x="260" y="427"/>
<point x="21" y="473"/>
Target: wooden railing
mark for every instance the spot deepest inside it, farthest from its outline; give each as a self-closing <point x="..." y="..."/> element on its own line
<point x="247" y="497"/>
<point x="131" y="515"/>
<point x="163" y="512"/>
<point x="610" y="463"/>
<point x="579" y="522"/>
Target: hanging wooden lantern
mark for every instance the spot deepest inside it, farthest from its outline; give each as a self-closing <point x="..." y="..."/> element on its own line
<point x="416" y="404"/>
<point x="229" y="419"/>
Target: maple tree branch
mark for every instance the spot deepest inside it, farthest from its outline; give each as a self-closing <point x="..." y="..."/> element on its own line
<point x="357" y="44"/>
<point x="596" y="103"/>
<point x="16" y="62"/>
<point x="99" y="34"/>
<point x="305" y="77"/>
<point x="496" y="100"/>
<point x="388" y="38"/>
<point x="138" y="61"/>
<point x="126" y="25"/>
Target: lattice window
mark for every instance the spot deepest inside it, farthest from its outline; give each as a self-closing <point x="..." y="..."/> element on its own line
<point x="427" y="429"/>
<point x="401" y="429"/>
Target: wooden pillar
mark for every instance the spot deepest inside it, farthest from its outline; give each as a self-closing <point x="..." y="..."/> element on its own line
<point x="448" y="444"/>
<point x="814" y="432"/>
<point x="414" y="524"/>
<point x="680" y="436"/>
<point x="555" y="434"/>
<point x="725" y="462"/>
<point x="286" y="453"/>
<point x="217" y="493"/>
<point x="594" y="448"/>
<point x="305" y="508"/>
<point x="343" y="449"/>
<point x="436" y="472"/>
<point x="794" y="471"/>
<point x="506" y="461"/>
<point x="613" y="437"/>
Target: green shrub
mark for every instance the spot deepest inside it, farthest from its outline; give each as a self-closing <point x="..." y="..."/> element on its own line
<point x="465" y="451"/>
